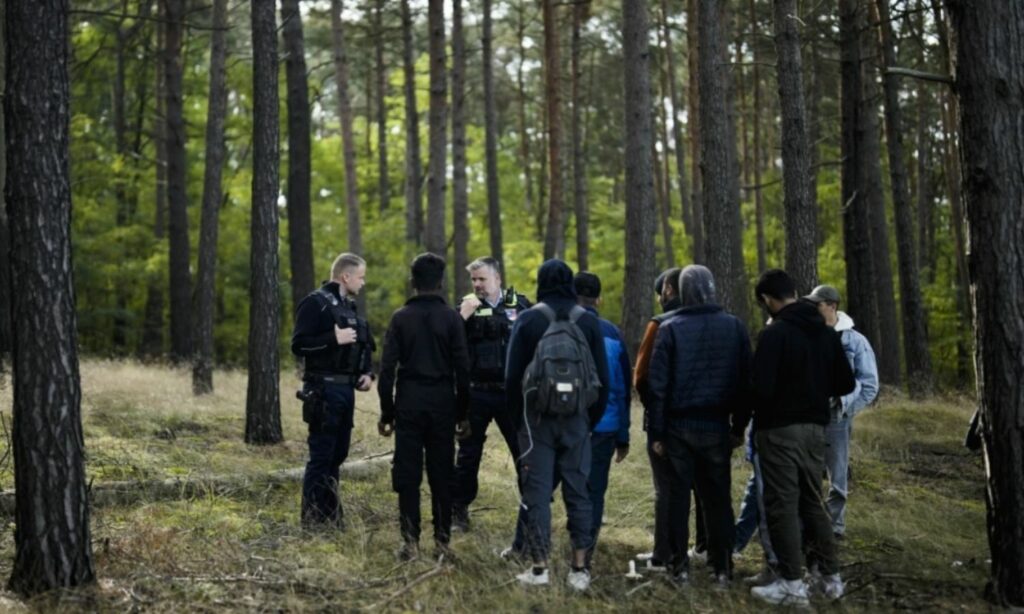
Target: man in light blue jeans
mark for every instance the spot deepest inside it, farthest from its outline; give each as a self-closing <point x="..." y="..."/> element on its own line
<point x="844" y="409"/>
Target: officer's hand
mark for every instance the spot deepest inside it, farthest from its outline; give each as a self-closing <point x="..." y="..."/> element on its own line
<point x="364" y="383"/>
<point x="469" y="306"/>
<point x="463" y="430"/>
<point x="658" y="448"/>
<point x="385" y="428"/>
<point x="621" y="452"/>
<point x="344" y="336"/>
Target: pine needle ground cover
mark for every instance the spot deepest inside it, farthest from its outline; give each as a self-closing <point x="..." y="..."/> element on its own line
<point x="916" y="528"/>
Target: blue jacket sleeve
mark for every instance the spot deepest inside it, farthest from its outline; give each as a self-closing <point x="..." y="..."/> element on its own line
<point x="865" y="374"/>
<point x="622" y="438"/>
<point x="596" y="342"/>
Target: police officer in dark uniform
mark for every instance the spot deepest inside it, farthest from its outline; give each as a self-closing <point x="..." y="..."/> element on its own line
<point x="336" y="345"/>
<point x="489" y="313"/>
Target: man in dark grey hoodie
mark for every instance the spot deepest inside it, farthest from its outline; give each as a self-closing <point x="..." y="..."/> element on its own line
<point x="549" y="442"/>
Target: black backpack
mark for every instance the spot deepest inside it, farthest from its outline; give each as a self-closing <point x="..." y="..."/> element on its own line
<point x="561" y="380"/>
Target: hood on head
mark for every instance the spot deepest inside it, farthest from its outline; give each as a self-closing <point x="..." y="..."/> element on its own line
<point x="696" y="286"/>
<point x="803" y="314"/>
<point x="555" y="280"/>
<point x="845" y="322"/>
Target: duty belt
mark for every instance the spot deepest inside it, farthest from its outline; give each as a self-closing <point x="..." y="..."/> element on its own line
<point x="336" y="378"/>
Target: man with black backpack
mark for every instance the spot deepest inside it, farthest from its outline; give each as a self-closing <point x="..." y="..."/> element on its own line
<point x="557" y="381"/>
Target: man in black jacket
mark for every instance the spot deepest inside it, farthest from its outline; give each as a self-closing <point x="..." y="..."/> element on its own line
<point x="335" y="344"/>
<point x="426" y="342"/>
<point x="554" y="443"/>
<point x="798" y="366"/>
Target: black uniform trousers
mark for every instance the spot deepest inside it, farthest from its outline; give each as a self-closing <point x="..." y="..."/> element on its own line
<point x="419" y="434"/>
<point x="328" y="448"/>
<point x="484" y="406"/>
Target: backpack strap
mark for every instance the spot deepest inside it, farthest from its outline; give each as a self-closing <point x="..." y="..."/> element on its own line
<point x="547" y="311"/>
<point x="576" y="313"/>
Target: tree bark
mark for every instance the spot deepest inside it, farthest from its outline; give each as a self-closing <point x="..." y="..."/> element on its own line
<point x="580" y="12"/>
<point x="413" y="165"/>
<point x="719" y="170"/>
<point x="758" y="162"/>
<point x="662" y="183"/>
<point x="460" y="195"/>
<point x="915" y="332"/>
<point x="300" y="224"/>
<point x="925" y="186"/>
<point x="203" y="359"/>
<point x="524" y="136"/>
<point x="6" y="332"/>
<point x="800" y="216"/>
<point x="120" y="333"/>
<point x="52" y="540"/>
<point x="436" y="238"/>
<point x="677" y="123"/>
<point x="553" y="97"/>
<point x="491" y="143"/>
<point x="636" y="304"/>
<point x="990" y="85"/>
<point x="341" y="79"/>
<point x="263" y="399"/>
<point x="177" y="195"/>
<point x="694" y="126"/>
<point x="383" y="178"/>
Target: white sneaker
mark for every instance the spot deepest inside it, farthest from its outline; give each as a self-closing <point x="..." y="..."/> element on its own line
<point x="579" y="580"/>
<point x="644" y="556"/>
<point x="830" y="587"/>
<point x="697" y="556"/>
<point x="782" y="592"/>
<point x="654" y="566"/>
<point x="530" y="577"/>
<point x="763" y="578"/>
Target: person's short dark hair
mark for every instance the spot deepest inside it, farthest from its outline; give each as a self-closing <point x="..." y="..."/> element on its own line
<point x="777" y="284"/>
<point x="670" y="276"/>
<point x="587" y="284"/>
<point x="428" y="272"/>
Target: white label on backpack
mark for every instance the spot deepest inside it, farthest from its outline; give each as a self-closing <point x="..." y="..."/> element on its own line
<point x="563" y="387"/>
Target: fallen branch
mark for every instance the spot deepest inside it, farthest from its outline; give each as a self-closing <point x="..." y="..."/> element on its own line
<point x="439" y="569"/>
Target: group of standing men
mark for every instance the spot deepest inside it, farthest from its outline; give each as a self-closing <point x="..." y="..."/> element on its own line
<point x="556" y="379"/>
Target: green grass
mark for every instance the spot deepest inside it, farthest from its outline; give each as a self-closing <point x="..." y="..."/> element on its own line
<point x="916" y="536"/>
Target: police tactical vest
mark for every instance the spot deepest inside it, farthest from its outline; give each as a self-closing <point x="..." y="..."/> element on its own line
<point x="487" y="333"/>
<point x="342" y="359"/>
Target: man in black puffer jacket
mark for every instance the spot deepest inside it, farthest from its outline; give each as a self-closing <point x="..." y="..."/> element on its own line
<point x="554" y="443"/>
<point x="699" y="392"/>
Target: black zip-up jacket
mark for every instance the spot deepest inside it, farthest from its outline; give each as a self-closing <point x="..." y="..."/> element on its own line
<point x="554" y="288"/>
<point x="426" y="341"/>
<point x="798" y="365"/>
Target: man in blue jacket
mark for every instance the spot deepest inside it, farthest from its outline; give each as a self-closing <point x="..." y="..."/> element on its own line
<point x="845" y="408"/>
<point x="611" y="435"/>
<point x="699" y="388"/>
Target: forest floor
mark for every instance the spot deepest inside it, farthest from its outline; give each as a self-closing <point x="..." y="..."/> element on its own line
<point x="916" y="519"/>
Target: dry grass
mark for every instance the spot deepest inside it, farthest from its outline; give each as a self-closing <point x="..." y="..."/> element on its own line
<point x="916" y="519"/>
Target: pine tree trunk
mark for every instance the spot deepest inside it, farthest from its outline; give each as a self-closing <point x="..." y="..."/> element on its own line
<point x="694" y="126"/>
<point x="300" y="225"/>
<point x="925" y="187"/>
<point x="120" y="179"/>
<point x="341" y="79"/>
<point x="579" y="160"/>
<point x="177" y="196"/>
<point x="413" y="165"/>
<point x="491" y="143"/>
<point x="383" y="178"/>
<point x="524" y="136"/>
<point x="860" y="288"/>
<point x="815" y="74"/>
<point x="990" y="84"/>
<point x="6" y="340"/>
<point x="662" y="183"/>
<point x="553" y="98"/>
<point x="263" y="399"/>
<point x="460" y="195"/>
<point x="436" y="238"/>
<point x="640" y="264"/>
<point x="677" y="123"/>
<point x="800" y="215"/>
<point x="720" y="173"/>
<point x="151" y="343"/>
<point x="915" y="332"/>
<point x="52" y="540"/>
<point x="202" y="344"/>
<point x="758" y="162"/>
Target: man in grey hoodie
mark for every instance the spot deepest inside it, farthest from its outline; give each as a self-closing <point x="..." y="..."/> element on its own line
<point x="844" y="409"/>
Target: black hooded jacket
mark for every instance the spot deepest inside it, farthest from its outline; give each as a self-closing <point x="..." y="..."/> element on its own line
<point x="798" y="365"/>
<point x="554" y="288"/>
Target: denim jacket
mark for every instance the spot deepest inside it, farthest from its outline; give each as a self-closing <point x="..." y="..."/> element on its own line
<point x="865" y="369"/>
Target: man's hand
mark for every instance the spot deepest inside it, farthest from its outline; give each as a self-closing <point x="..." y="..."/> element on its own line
<point x="385" y="428"/>
<point x="364" y="382"/>
<point x="658" y="448"/>
<point x="463" y="430"/>
<point x="469" y="306"/>
<point x="621" y="452"/>
<point x="345" y="336"/>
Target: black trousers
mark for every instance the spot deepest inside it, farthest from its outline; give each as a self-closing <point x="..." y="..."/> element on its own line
<point x="419" y="435"/>
<point x="484" y="406"/>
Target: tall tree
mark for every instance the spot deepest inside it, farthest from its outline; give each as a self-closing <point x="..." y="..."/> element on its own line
<point x="151" y="342"/>
<point x="636" y="305"/>
<point x="436" y="240"/>
<point x="990" y="85"/>
<point x="915" y="333"/>
<point x="491" y="140"/>
<point x="341" y="79"/>
<point x="460" y="194"/>
<point x="216" y="111"/>
<point x="719" y="169"/>
<point x="757" y="164"/>
<point x="677" y="124"/>
<point x="413" y="165"/>
<point x="580" y="12"/>
<point x="694" y="126"/>
<point x="524" y="135"/>
<point x="263" y="399"/>
<point x="53" y="547"/>
<point x="177" y="194"/>
<point x="383" y="178"/>
<point x="662" y="180"/>
<point x="553" y="235"/>
<point x="801" y="215"/>
<point x="300" y="225"/>
<point x="6" y="340"/>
